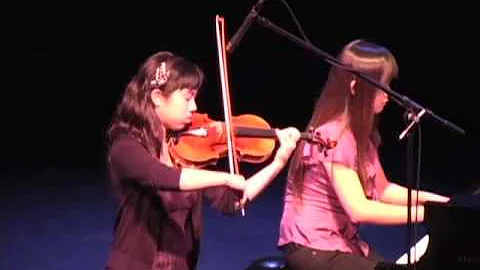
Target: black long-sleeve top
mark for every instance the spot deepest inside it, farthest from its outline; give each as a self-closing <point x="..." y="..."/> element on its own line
<point x="158" y="226"/>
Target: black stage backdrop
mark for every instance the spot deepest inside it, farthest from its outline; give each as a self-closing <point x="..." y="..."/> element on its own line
<point x="77" y="58"/>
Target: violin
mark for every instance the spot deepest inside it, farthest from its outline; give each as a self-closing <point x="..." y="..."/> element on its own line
<point x="205" y="140"/>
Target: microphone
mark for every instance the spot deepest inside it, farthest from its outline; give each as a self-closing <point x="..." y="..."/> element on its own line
<point x="233" y="43"/>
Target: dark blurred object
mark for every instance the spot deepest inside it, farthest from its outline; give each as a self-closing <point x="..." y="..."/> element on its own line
<point x="469" y="199"/>
<point x="270" y="262"/>
<point x="454" y="236"/>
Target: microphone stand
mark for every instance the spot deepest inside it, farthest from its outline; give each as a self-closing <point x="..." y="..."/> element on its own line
<point x="414" y="110"/>
<point x="409" y="132"/>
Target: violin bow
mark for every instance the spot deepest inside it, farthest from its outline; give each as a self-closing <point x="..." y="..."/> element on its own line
<point x="222" y="62"/>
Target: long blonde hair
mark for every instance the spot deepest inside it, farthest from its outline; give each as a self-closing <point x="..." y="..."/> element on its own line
<point x="372" y="60"/>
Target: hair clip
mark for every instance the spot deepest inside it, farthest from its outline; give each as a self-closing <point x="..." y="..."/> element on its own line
<point x="161" y="75"/>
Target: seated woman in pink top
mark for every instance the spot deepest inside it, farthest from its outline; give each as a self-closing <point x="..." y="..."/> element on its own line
<point x="330" y="192"/>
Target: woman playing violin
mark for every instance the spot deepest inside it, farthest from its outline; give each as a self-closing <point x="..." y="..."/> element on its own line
<point x="158" y="225"/>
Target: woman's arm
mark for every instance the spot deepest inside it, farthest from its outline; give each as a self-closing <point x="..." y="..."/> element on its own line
<point x="288" y="138"/>
<point x="397" y="194"/>
<point x="260" y="180"/>
<point x="130" y="161"/>
<point x="191" y="179"/>
<point x="227" y="201"/>
<point x="362" y="210"/>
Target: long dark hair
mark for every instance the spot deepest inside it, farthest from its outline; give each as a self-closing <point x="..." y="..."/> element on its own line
<point x="370" y="59"/>
<point x="136" y="114"/>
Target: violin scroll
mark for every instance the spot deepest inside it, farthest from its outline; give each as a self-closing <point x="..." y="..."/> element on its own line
<point x="315" y="138"/>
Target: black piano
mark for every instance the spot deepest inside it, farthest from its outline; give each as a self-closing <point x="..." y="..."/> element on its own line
<point x="454" y="238"/>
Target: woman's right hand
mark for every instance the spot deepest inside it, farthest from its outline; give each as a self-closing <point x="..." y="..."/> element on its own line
<point x="236" y="181"/>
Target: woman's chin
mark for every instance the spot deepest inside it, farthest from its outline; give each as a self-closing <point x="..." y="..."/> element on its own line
<point x="379" y="110"/>
<point x="181" y="126"/>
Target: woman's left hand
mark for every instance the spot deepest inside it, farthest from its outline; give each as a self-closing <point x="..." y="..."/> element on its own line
<point x="288" y="138"/>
